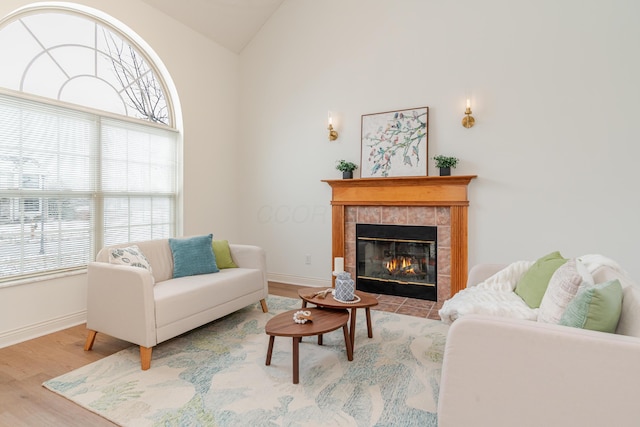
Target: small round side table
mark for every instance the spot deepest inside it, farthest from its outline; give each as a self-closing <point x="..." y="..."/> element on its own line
<point x="324" y="320"/>
<point x="366" y="301"/>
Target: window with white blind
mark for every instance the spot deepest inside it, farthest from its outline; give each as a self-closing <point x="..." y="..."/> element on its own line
<point x="74" y="178"/>
<point x="72" y="181"/>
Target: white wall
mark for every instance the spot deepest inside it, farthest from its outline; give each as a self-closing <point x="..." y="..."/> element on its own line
<point x="554" y="89"/>
<point x="206" y="78"/>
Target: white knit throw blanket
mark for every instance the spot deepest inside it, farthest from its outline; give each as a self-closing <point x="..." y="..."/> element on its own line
<point x="495" y="296"/>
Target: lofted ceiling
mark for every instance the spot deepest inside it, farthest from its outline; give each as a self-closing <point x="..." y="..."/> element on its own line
<point x="230" y="23"/>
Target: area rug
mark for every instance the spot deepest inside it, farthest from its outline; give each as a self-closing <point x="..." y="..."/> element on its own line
<point x="216" y="376"/>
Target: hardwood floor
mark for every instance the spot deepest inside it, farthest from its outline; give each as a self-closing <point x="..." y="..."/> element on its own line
<point x="25" y="366"/>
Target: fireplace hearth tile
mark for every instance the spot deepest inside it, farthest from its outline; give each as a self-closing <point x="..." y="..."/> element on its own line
<point x="421" y="215"/>
<point x="444" y="288"/>
<point x="394" y="215"/>
<point x="444" y="262"/>
<point x="369" y="214"/>
<point x="419" y="303"/>
<point x="384" y="306"/>
<point x="351" y="214"/>
<point x="443" y="215"/>
<point x="391" y="299"/>
<point x="409" y="307"/>
<point x="444" y="236"/>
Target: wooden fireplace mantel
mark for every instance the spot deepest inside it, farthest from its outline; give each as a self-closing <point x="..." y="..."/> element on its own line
<point x="444" y="191"/>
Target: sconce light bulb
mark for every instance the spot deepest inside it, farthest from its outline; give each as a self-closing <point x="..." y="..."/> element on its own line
<point x="468" y="120"/>
<point x="333" y="134"/>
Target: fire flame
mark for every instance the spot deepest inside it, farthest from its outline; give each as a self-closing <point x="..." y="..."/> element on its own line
<point x="400" y="264"/>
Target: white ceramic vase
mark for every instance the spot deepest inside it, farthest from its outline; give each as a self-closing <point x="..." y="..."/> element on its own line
<point x="345" y="287"/>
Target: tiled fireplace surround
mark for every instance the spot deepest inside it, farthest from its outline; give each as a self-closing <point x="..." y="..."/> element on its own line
<point x="432" y="201"/>
<point x="403" y="215"/>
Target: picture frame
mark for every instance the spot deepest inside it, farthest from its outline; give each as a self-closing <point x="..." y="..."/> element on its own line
<point x="395" y="143"/>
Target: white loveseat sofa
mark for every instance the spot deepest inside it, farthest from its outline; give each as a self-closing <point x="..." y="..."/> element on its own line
<point x="147" y="308"/>
<point x="505" y="372"/>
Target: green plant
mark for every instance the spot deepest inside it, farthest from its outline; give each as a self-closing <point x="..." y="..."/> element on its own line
<point x="445" y="162"/>
<point x="344" y="166"/>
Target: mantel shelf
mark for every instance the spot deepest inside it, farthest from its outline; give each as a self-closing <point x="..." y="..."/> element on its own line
<point x="409" y="191"/>
<point x="401" y="181"/>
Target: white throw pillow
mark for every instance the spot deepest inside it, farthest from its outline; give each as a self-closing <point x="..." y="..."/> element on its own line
<point x="563" y="287"/>
<point x="131" y="256"/>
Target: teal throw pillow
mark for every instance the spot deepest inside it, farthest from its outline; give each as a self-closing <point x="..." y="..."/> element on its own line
<point x="595" y="307"/>
<point x="193" y="255"/>
<point x="223" y="254"/>
<point x="533" y="284"/>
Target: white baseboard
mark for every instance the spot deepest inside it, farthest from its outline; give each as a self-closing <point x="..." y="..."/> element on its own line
<point x="299" y="281"/>
<point x="36" y="330"/>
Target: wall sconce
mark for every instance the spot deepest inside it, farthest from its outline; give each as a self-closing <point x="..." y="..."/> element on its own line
<point x="468" y="120"/>
<point x="333" y="134"/>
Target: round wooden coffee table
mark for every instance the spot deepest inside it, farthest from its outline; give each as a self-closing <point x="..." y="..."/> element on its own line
<point x="366" y="301"/>
<point x="324" y="320"/>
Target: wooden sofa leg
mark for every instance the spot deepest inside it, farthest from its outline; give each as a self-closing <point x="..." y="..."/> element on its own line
<point x="91" y="338"/>
<point x="263" y="303"/>
<point x="145" y="357"/>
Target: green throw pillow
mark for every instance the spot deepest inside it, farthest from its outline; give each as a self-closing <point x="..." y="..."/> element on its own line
<point x="596" y="307"/>
<point x="193" y="255"/>
<point x="533" y="284"/>
<point x="223" y="254"/>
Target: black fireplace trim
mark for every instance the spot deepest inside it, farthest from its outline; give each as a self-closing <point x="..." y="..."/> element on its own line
<point x="389" y="231"/>
<point x="397" y="289"/>
<point x="384" y="232"/>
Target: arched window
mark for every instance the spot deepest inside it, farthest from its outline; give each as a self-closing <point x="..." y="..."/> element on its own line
<point x="88" y="145"/>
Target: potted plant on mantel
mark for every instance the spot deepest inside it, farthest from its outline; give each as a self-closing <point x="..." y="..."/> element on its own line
<point x="346" y="168"/>
<point x="445" y="163"/>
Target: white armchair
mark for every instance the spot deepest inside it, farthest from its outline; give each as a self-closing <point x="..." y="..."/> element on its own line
<point x="503" y="372"/>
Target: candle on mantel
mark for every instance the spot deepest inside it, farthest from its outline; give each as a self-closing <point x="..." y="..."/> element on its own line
<point x="338" y="264"/>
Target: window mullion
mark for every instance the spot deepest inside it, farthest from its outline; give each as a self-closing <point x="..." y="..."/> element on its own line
<point x="97" y="218"/>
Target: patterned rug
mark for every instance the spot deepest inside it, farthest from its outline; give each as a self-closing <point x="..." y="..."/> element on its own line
<point x="216" y="376"/>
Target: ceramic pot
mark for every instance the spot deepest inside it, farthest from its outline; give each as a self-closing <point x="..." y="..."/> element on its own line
<point x="345" y="287"/>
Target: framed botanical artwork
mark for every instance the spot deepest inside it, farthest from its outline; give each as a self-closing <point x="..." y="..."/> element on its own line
<point x="394" y="143"/>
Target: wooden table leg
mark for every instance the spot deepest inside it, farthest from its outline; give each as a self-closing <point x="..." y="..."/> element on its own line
<point x="369" y="328"/>
<point x="304" y="305"/>
<point x="270" y="350"/>
<point x="352" y="327"/>
<point x="320" y="339"/>
<point x="296" y="349"/>
<point x="347" y="342"/>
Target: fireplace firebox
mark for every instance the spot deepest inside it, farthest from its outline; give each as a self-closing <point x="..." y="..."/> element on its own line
<point x="397" y="260"/>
